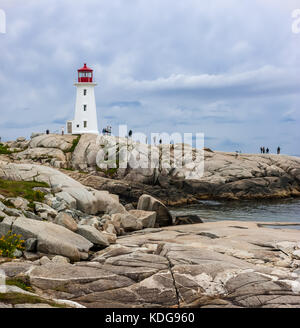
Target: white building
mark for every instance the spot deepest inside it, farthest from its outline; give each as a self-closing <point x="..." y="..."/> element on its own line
<point x="85" y="120"/>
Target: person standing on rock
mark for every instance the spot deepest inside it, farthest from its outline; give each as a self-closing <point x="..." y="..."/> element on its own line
<point x="62" y="131"/>
<point x="267" y="150"/>
<point x="263" y="150"/>
<point x="278" y="150"/>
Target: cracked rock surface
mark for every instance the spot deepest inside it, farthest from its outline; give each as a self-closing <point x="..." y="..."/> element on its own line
<point x="180" y="266"/>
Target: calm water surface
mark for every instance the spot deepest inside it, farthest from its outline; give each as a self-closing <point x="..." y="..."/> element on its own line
<point x="287" y="210"/>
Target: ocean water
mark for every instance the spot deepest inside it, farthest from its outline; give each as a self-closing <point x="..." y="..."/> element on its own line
<point x="285" y="210"/>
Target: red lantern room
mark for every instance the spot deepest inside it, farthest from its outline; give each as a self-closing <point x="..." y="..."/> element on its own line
<point x="85" y="74"/>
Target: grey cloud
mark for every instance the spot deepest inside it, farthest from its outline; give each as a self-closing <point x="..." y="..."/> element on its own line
<point x="229" y="69"/>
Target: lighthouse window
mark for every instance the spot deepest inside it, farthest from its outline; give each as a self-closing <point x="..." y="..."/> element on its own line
<point x="84" y="124"/>
<point x="84" y="108"/>
<point x="84" y="92"/>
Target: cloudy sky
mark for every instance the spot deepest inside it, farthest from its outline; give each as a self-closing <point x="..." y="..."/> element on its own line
<point x="227" y="68"/>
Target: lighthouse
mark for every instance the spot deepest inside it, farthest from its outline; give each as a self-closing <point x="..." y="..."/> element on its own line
<point x="85" y="120"/>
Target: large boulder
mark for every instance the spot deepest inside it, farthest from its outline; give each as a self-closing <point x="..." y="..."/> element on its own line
<point x="126" y="221"/>
<point x="62" y="142"/>
<point x="93" y="235"/>
<point x="66" y="220"/>
<point x="64" y="196"/>
<point x="88" y="200"/>
<point x="95" y="201"/>
<point x="148" y="219"/>
<point x="51" y="238"/>
<point x="149" y="203"/>
<point x="45" y="211"/>
<point x="41" y="153"/>
<point x="86" y="151"/>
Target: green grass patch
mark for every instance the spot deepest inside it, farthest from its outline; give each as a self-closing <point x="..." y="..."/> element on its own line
<point x="69" y="169"/>
<point x="74" y="144"/>
<point x="18" y="298"/>
<point x="4" y="150"/>
<point x="9" y="188"/>
<point x="19" y="283"/>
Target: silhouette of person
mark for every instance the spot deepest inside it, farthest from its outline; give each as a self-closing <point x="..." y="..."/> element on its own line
<point x="267" y="150"/>
<point x="47" y="131"/>
<point x="278" y="150"/>
<point x="263" y="150"/>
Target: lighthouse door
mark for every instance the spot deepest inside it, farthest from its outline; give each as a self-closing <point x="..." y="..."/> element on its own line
<point x="69" y="127"/>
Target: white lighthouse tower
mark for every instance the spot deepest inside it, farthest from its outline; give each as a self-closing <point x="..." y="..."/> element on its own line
<point x="85" y="120"/>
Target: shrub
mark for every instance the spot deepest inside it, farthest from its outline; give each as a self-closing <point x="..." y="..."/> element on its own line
<point x="9" y="243"/>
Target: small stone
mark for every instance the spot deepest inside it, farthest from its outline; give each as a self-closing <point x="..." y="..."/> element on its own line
<point x="60" y="260"/>
<point x="56" y="188"/>
<point x="12" y="212"/>
<point x="17" y="253"/>
<point x="93" y="222"/>
<point x="21" y="139"/>
<point x="32" y="216"/>
<point x="31" y="256"/>
<point x="31" y="245"/>
<point x="45" y="211"/>
<point x="109" y="228"/>
<point x="19" y="203"/>
<point x="111" y="237"/>
<point x="129" y="207"/>
<point x="45" y="260"/>
<point x="66" y="221"/>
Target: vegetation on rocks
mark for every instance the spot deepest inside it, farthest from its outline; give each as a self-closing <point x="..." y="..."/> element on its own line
<point x="9" y="243"/>
<point x="74" y="144"/>
<point x="23" y="189"/>
<point x="19" y="283"/>
<point x="4" y="149"/>
<point x="18" y="298"/>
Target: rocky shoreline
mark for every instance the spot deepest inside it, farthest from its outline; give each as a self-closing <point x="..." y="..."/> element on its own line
<point x="105" y="238"/>
<point x="209" y="265"/>
<point x="226" y="176"/>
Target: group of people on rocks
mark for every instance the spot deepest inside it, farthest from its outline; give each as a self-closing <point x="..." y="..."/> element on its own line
<point x="264" y="150"/>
